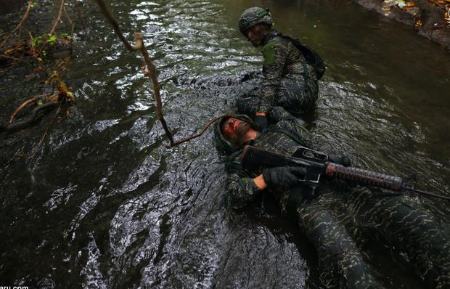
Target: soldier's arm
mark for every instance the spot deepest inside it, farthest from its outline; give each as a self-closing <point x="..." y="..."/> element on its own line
<point x="274" y="54"/>
<point x="296" y="129"/>
<point x="242" y="190"/>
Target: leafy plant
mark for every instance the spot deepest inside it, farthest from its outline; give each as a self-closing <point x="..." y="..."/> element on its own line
<point x="36" y="41"/>
<point x="52" y="39"/>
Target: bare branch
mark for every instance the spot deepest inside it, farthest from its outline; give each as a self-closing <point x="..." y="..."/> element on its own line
<point x="150" y="71"/>
<point x="208" y="124"/>
<point x="24" y="104"/>
<point x="72" y="26"/>
<point x="152" y="74"/>
<point x="107" y="13"/>
<point x="58" y="18"/>
<point x="24" y="17"/>
<point x="22" y="21"/>
<point x="9" y="57"/>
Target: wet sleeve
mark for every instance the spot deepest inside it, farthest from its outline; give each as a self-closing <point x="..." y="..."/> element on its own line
<point x="241" y="191"/>
<point x="296" y="128"/>
<point x="275" y="55"/>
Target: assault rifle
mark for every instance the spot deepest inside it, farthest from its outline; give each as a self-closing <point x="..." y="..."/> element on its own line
<point x="318" y="164"/>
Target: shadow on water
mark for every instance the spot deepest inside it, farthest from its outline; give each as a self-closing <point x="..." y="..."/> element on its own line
<point x="104" y="204"/>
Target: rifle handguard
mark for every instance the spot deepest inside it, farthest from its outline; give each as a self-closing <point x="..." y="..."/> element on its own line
<point x="364" y="177"/>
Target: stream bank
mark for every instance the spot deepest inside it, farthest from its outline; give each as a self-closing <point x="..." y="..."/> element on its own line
<point x="430" y="19"/>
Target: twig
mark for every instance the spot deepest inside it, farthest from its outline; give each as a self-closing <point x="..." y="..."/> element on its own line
<point x="36" y="115"/>
<point x="107" y="13"/>
<point x="72" y="26"/>
<point x="22" y="21"/>
<point x="22" y="106"/>
<point x="9" y="57"/>
<point x="24" y="17"/>
<point x="139" y="46"/>
<point x="58" y="18"/>
<point x="208" y="124"/>
<point x="151" y="73"/>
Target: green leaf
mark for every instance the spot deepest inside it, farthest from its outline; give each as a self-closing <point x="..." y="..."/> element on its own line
<point x="36" y="41"/>
<point x="52" y="39"/>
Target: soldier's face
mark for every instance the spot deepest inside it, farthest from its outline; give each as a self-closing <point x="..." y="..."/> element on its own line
<point x="235" y="129"/>
<point x="256" y="34"/>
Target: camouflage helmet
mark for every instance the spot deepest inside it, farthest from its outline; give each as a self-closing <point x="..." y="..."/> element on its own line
<point x="253" y="16"/>
<point x="223" y="145"/>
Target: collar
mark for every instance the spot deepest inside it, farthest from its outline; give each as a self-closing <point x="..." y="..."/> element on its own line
<point x="269" y="36"/>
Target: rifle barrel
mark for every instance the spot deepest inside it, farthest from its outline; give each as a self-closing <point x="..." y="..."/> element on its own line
<point x="425" y="193"/>
<point x="364" y="177"/>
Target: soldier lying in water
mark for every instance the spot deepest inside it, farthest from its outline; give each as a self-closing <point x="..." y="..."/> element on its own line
<point x="409" y="230"/>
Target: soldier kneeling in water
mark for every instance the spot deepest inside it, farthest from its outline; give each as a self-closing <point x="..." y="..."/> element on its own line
<point x="290" y="70"/>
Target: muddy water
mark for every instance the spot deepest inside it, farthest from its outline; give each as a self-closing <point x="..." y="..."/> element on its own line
<point x="102" y="203"/>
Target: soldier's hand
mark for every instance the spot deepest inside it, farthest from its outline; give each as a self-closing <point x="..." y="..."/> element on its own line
<point x="283" y="177"/>
<point x="261" y="122"/>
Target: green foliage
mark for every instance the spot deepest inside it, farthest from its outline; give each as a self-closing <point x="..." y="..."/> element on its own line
<point x="52" y="39"/>
<point x="36" y="41"/>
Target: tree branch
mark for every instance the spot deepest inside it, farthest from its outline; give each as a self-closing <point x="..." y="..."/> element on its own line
<point x="107" y="13"/>
<point x="151" y="72"/>
<point x="208" y="124"/>
<point x="22" y="21"/>
<point x="58" y="18"/>
<point x="24" y="17"/>
<point x="24" y="104"/>
<point x="72" y="25"/>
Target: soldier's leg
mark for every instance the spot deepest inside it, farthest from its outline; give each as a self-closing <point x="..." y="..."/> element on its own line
<point x="298" y="95"/>
<point x="247" y="102"/>
<point x="279" y="113"/>
<point x="341" y="262"/>
<point x="411" y="230"/>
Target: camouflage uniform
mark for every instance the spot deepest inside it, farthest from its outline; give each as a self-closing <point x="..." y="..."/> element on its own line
<point x="342" y="265"/>
<point x="411" y="231"/>
<point x="288" y="79"/>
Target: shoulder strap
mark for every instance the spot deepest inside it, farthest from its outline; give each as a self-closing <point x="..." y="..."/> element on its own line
<point x="312" y="57"/>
